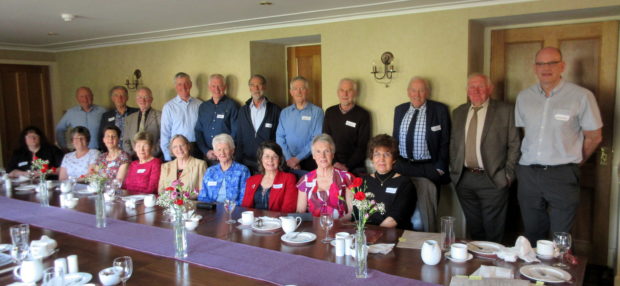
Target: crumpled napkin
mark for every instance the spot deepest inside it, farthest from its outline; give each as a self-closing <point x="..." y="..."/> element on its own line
<point x="522" y="249"/>
<point x="494" y="272"/>
<point x="383" y="248"/>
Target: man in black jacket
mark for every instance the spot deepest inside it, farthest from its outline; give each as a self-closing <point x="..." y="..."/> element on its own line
<point x="257" y="122"/>
<point x="116" y="116"/>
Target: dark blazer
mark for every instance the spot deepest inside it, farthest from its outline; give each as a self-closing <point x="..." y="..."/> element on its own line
<point x="499" y="147"/>
<point x="108" y="119"/>
<point x="437" y="141"/>
<point x="248" y="140"/>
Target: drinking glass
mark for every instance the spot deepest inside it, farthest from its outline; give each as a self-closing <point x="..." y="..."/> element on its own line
<point x="20" y="235"/>
<point x="327" y="221"/>
<point x="447" y="232"/>
<point x="52" y="277"/>
<point x="123" y="266"/>
<point x="31" y="176"/>
<point x="116" y="185"/>
<point x="563" y="242"/>
<point x="229" y="206"/>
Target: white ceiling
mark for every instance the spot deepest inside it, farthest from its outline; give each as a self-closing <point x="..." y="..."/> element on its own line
<point x="25" y="24"/>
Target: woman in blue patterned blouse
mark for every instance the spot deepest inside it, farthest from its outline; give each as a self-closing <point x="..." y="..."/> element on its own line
<point x="225" y="180"/>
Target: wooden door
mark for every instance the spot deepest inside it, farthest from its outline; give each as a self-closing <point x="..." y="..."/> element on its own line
<point x="24" y="100"/>
<point x="590" y="52"/>
<point x="306" y="61"/>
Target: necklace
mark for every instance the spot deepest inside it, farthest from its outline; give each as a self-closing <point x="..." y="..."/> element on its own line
<point x="386" y="176"/>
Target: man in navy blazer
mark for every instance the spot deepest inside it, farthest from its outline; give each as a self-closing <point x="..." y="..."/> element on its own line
<point x="424" y="149"/>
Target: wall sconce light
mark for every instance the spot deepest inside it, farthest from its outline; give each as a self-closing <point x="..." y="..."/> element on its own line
<point x="135" y="82"/>
<point x="387" y="59"/>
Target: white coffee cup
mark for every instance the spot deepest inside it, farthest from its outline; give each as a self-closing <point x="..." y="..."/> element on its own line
<point x="149" y="201"/>
<point x="65" y="186"/>
<point x="545" y="248"/>
<point x="130" y="204"/>
<point x="289" y="223"/>
<point x="49" y="183"/>
<point x="458" y="251"/>
<point x="191" y="224"/>
<point x="342" y="235"/>
<point x="30" y="271"/>
<point x="247" y="217"/>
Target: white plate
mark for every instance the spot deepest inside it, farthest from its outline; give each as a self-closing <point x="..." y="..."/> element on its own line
<point x="26" y="188"/>
<point x="488" y="248"/>
<point x="75" y="279"/>
<point x="19" y="180"/>
<point x="301" y="238"/>
<point x="134" y="197"/>
<point x="268" y="226"/>
<point x="469" y="257"/>
<point x="5" y="247"/>
<point x="545" y="273"/>
<point x="5" y="259"/>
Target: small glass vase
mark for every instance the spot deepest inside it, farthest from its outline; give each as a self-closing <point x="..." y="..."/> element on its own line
<point x="180" y="236"/>
<point x="361" y="254"/>
<point x="43" y="192"/>
<point x="100" y="205"/>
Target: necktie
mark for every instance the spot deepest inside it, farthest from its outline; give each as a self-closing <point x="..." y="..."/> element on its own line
<point x="410" y="132"/>
<point x="471" y="159"/>
<point x="142" y="122"/>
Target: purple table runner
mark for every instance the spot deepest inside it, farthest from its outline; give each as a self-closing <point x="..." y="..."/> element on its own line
<point x="240" y="259"/>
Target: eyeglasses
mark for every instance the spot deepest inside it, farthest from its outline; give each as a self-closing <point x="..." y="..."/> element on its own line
<point x="553" y="63"/>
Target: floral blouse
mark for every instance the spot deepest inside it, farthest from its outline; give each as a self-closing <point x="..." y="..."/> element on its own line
<point x="110" y="168"/>
<point x="317" y="200"/>
<point x="233" y="179"/>
<point x="79" y="166"/>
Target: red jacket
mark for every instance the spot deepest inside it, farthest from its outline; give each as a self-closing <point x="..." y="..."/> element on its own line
<point x="283" y="194"/>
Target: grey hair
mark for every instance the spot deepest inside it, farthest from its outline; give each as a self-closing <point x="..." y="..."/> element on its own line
<point x="118" y="87"/>
<point x="224" y="139"/>
<point x="299" y="78"/>
<point x="217" y="75"/>
<point x="324" y="138"/>
<point x="425" y="81"/>
<point x="263" y="80"/>
<point x="487" y="80"/>
<point x="148" y="90"/>
<point x="182" y="75"/>
<point x="183" y="138"/>
<point x="346" y="79"/>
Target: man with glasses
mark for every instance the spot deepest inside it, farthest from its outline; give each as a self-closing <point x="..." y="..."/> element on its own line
<point x="562" y="125"/>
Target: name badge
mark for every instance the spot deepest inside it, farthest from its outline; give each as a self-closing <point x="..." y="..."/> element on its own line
<point x="390" y="190"/>
<point x="562" y="117"/>
<point x="21" y="164"/>
<point x="278" y="186"/>
<point x="111" y="119"/>
<point x="211" y="183"/>
<point x="349" y="123"/>
<point x="306" y="117"/>
<point x="220" y="116"/>
<point x="140" y="171"/>
<point x="435" y="128"/>
<point x="310" y="184"/>
<point x="268" y="125"/>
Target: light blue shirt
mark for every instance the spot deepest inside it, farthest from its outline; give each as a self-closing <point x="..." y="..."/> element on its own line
<point x="76" y="116"/>
<point x="257" y="114"/>
<point x="178" y="117"/>
<point x="420" y="149"/>
<point x="297" y="128"/>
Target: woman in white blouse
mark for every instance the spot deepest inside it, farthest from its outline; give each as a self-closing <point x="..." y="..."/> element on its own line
<point x="77" y="163"/>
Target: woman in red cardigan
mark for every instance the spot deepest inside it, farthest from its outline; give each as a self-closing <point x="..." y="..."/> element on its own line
<point x="271" y="189"/>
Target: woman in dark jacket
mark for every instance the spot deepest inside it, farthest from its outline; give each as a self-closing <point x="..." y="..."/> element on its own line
<point x="32" y="143"/>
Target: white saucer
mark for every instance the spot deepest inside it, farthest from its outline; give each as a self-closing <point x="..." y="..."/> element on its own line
<point x="484" y="247"/>
<point x="545" y="273"/>
<point x="469" y="257"/>
<point x="136" y="198"/>
<point x="79" y="278"/>
<point x="545" y="257"/>
<point x="268" y="226"/>
<point x="242" y="224"/>
<point x="301" y="238"/>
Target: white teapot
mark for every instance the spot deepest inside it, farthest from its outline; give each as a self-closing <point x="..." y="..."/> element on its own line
<point x="431" y="252"/>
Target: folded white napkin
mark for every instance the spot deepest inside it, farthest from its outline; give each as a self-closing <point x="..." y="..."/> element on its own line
<point x="42" y="247"/>
<point x="383" y="248"/>
<point x="493" y="272"/>
<point x="522" y="249"/>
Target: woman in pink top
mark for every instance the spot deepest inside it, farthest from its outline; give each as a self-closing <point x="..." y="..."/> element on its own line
<point x="143" y="174"/>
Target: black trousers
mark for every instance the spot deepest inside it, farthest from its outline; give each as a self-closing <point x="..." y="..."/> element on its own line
<point x="484" y="206"/>
<point x="548" y="198"/>
<point x="424" y="169"/>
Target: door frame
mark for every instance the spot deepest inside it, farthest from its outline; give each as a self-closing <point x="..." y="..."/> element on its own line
<point x="56" y="99"/>
<point x="613" y="247"/>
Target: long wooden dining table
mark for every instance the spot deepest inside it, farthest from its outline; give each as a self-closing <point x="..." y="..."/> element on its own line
<point x="152" y="269"/>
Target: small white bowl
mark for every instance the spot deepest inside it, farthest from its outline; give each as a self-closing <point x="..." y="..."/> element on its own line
<point x="108" y="277"/>
<point x="71" y="202"/>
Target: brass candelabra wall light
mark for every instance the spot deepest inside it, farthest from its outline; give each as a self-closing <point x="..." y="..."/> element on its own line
<point x="384" y="76"/>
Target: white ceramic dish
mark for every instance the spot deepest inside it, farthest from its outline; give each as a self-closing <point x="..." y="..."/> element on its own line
<point x="26" y="188"/>
<point x="301" y="238"/>
<point x="267" y="226"/>
<point x="76" y="279"/>
<point x="469" y="257"/>
<point x="545" y="273"/>
<point x="136" y="198"/>
<point x="484" y="247"/>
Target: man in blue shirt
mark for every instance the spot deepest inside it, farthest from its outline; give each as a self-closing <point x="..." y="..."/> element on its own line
<point x="85" y="114"/>
<point x="216" y="116"/>
<point x="116" y="116"/>
<point x="298" y="125"/>
<point x="179" y="116"/>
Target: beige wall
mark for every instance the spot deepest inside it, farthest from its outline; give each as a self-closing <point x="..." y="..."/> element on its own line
<point x="268" y="60"/>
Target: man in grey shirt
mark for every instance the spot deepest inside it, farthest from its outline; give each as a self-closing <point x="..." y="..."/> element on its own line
<point x="562" y="125"/>
<point x="85" y="114"/>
